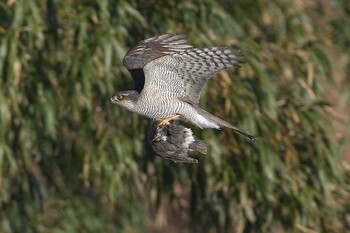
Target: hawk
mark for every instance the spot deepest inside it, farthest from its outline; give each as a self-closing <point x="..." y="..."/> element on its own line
<point x="169" y="75"/>
<point x="174" y="141"/>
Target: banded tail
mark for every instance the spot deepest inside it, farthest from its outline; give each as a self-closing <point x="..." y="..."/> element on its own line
<point x="207" y="120"/>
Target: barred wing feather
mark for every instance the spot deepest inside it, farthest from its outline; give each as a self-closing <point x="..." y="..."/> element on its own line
<point x="183" y="74"/>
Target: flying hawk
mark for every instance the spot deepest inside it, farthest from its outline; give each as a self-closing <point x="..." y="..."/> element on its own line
<point x="174" y="141"/>
<point x="169" y="75"/>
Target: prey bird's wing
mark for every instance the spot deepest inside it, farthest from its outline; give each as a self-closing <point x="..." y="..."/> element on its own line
<point x="183" y="74"/>
<point x="149" y="50"/>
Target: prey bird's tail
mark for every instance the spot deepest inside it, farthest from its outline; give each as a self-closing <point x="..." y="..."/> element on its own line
<point x="198" y="145"/>
<point x="221" y="123"/>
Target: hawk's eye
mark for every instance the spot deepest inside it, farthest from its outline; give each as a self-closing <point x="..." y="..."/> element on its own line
<point x="120" y="97"/>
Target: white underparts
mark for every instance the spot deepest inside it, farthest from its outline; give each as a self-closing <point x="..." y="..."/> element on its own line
<point x="188" y="138"/>
<point x="202" y="122"/>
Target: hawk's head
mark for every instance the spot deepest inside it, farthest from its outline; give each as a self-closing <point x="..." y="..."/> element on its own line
<point x="127" y="99"/>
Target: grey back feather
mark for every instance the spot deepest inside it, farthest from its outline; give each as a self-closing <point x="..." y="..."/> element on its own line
<point x="153" y="48"/>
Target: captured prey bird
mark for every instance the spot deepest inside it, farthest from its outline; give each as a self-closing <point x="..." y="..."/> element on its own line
<point x="169" y="75"/>
<point x="173" y="142"/>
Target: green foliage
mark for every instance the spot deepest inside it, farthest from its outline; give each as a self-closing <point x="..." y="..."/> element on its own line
<point x="71" y="162"/>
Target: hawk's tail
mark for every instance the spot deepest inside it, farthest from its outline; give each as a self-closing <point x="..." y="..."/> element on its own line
<point x="221" y="123"/>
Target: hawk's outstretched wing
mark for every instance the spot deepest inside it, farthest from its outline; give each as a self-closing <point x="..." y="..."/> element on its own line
<point x="182" y="75"/>
<point x="167" y="67"/>
<point x="149" y="50"/>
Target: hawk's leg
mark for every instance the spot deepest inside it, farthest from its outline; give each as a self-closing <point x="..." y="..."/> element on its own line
<point x="166" y="121"/>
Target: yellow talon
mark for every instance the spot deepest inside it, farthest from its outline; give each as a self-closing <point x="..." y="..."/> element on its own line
<point x="166" y="121"/>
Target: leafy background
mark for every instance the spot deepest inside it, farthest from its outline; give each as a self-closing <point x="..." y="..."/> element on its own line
<point x="71" y="162"/>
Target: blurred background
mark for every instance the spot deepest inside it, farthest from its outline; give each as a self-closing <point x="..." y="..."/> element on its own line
<point x="72" y="162"/>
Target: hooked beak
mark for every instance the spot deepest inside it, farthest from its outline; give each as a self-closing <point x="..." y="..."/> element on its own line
<point x="113" y="99"/>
